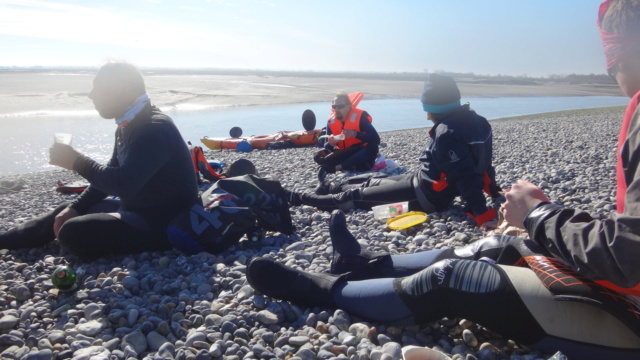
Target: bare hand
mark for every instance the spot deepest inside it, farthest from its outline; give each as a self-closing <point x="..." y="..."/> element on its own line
<point x="63" y="155"/>
<point x="332" y="141"/>
<point x="62" y="217"/>
<point x="521" y="198"/>
<point x="350" y="133"/>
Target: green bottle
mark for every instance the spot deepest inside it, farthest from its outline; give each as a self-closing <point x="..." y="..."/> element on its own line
<point x="64" y="278"/>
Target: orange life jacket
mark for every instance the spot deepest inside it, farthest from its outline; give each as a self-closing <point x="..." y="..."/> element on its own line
<point x="351" y="122"/>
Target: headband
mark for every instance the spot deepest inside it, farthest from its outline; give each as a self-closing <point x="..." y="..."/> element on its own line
<point x="614" y="44"/>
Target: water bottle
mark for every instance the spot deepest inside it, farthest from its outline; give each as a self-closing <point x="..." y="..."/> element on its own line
<point x="64" y="278"/>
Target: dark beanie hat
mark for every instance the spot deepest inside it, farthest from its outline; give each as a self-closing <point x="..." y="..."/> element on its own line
<point x="241" y="167"/>
<point x="440" y="94"/>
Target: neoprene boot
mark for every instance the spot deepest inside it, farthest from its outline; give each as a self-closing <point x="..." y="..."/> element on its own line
<point x="322" y="188"/>
<point x="286" y="283"/>
<point x="349" y="256"/>
<point x="292" y="197"/>
<point x="36" y="232"/>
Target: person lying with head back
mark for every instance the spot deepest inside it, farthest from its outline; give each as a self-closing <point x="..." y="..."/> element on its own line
<point x="573" y="287"/>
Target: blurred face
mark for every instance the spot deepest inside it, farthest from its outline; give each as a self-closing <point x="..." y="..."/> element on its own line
<point x="627" y="75"/>
<point x="110" y="97"/>
<point x="341" y="108"/>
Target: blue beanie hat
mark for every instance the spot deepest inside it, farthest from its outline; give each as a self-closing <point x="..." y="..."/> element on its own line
<point x="440" y="94"/>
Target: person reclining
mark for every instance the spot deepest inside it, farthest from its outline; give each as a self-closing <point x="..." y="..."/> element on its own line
<point x="574" y="286"/>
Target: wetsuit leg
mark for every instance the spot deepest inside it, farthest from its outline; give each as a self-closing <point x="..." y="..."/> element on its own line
<point x="365" y="180"/>
<point x="36" y="232"/>
<point x="102" y="233"/>
<point x="448" y="288"/>
<point x="489" y="248"/>
<point x="362" y="160"/>
<point x="377" y="191"/>
<point x="506" y="299"/>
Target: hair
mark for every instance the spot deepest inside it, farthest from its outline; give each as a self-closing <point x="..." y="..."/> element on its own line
<point x="343" y="96"/>
<point x="125" y="74"/>
<point x="622" y="17"/>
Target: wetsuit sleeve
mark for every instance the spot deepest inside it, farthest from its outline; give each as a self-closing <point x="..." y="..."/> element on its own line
<point x="148" y="150"/>
<point x="598" y="249"/>
<point x="91" y="195"/>
<point x="368" y="133"/>
<point x="608" y="249"/>
<point x="456" y="161"/>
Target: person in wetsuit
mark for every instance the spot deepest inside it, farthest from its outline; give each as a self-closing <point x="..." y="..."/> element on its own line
<point x="150" y="172"/>
<point x="573" y="287"/>
<point x="457" y="161"/>
<point x="352" y="142"/>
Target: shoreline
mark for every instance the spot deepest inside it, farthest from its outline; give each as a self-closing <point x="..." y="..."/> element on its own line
<point x="25" y="92"/>
<point x="217" y="154"/>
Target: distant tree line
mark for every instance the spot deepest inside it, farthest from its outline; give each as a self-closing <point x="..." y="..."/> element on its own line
<point x="397" y="76"/>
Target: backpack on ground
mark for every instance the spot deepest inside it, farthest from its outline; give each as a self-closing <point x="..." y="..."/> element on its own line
<point x="229" y="209"/>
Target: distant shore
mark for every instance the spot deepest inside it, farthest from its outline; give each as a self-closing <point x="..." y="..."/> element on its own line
<point x="24" y="92"/>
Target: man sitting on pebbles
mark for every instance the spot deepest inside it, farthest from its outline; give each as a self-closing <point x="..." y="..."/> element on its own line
<point x="457" y="162"/>
<point x="574" y="286"/>
<point x="150" y="172"/>
<point x="352" y="141"/>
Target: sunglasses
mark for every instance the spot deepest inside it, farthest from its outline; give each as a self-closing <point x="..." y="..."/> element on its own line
<point x="339" y="107"/>
<point x="613" y="72"/>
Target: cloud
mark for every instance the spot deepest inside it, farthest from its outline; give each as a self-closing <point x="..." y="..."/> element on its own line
<point x="99" y="25"/>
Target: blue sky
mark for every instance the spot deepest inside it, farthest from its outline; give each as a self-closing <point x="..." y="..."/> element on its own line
<point x="509" y="37"/>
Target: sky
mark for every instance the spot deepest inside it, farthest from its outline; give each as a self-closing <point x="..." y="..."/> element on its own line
<point x="486" y="37"/>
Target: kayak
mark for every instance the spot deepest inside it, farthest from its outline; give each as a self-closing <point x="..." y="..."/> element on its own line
<point x="298" y="138"/>
<point x="305" y="137"/>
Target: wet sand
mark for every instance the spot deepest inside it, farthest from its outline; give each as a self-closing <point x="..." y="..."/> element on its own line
<point x="34" y="91"/>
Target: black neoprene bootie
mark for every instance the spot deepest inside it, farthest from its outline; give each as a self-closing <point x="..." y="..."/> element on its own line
<point x="292" y="197"/>
<point x="323" y="185"/>
<point x="36" y="232"/>
<point x="349" y="256"/>
<point x="282" y="282"/>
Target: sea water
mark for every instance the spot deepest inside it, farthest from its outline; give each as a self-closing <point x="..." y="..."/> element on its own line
<point x="26" y="138"/>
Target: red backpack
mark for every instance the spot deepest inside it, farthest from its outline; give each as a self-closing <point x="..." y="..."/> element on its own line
<point x="202" y="166"/>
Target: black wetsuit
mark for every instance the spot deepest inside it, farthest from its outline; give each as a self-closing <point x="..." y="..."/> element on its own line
<point x="130" y="201"/>
<point x="456" y="162"/>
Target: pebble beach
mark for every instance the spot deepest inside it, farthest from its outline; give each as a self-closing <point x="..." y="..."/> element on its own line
<point x="168" y="305"/>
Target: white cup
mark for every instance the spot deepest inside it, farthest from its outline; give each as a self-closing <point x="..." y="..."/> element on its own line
<point x="62" y="138"/>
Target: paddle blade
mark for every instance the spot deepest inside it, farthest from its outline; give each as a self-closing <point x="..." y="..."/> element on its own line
<point x="308" y="120"/>
<point x="235" y="132"/>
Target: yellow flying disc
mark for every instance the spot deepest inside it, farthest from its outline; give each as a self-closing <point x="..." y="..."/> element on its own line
<point x="407" y="220"/>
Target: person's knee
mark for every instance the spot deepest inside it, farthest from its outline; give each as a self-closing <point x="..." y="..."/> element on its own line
<point x="488" y="247"/>
<point x="346" y="200"/>
<point x="461" y="275"/>
<point x="75" y="237"/>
